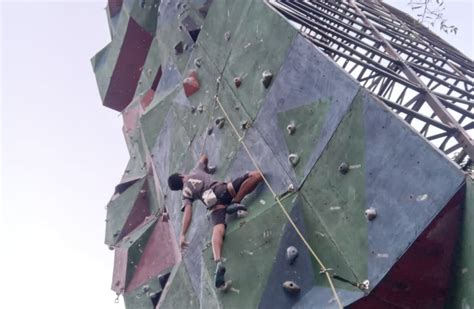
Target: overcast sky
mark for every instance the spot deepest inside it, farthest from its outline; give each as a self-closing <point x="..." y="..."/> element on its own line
<point x="62" y="153"/>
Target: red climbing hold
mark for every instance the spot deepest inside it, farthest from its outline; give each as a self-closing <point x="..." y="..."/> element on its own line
<point x="191" y="83"/>
<point x="147" y="98"/>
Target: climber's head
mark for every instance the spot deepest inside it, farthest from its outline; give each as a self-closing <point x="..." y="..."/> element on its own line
<point x="175" y="181"/>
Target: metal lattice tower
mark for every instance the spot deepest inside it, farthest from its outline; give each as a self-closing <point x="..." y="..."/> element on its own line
<point x="423" y="79"/>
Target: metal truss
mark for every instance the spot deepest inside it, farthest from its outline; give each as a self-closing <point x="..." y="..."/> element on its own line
<point x="422" y="78"/>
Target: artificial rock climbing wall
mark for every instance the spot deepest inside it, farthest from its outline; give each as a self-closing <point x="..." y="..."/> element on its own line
<point x="310" y="127"/>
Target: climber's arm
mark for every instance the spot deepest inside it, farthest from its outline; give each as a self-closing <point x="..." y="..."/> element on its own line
<point x="188" y="213"/>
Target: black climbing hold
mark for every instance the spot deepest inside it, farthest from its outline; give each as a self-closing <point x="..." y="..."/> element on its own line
<point x="291" y="254"/>
<point x="179" y="48"/>
<point x="111" y="248"/>
<point x="163" y="279"/>
<point x="209" y="131"/>
<point x="244" y="125"/>
<point x="344" y="168"/>
<point x="220" y="122"/>
<point x="237" y="81"/>
<point x="370" y="213"/>
<point x="266" y="78"/>
<point x="291" y="128"/>
<point x="291" y="288"/>
<point x="193" y="109"/>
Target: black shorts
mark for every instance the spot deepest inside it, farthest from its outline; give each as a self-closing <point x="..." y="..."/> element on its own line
<point x="218" y="217"/>
<point x="225" y="198"/>
<point x="223" y="195"/>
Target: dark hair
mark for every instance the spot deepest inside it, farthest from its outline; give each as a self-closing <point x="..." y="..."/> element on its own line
<point x="175" y="182"/>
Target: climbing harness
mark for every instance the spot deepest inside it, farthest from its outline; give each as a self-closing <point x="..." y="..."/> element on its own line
<point x="278" y="200"/>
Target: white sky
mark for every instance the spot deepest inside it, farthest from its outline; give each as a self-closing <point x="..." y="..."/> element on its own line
<point x="62" y="152"/>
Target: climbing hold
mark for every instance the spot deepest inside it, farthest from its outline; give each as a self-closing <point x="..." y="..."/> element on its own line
<point x="266" y="78"/>
<point x="193" y="109"/>
<point x="291" y="287"/>
<point x="291" y="254"/>
<point x="237" y="81"/>
<point x="227" y="36"/>
<point x="293" y="159"/>
<point x="370" y="213"/>
<point x="200" y="108"/>
<point x="343" y="168"/>
<point x="220" y="122"/>
<point x="242" y="213"/>
<point x="291" y="188"/>
<point x="179" y="48"/>
<point x="364" y="285"/>
<point x="291" y="128"/>
<point x="197" y="62"/>
<point x="244" y="125"/>
<point x="191" y="83"/>
<point x="111" y="248"/>
<point x="209" y="131"/>
<point x="146" y="288"/>
<point x="267" y="236"/>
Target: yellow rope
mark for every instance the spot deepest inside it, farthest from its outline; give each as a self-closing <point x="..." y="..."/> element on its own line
<point x="323" y="268"/>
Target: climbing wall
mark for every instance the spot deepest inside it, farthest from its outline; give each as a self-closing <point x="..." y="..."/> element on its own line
<point x="375" y="201"/>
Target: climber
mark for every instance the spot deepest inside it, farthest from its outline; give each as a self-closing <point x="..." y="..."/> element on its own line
<point x="219" y="198"/>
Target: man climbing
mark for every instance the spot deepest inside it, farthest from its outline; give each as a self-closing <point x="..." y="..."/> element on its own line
<point x="219" y="197"/>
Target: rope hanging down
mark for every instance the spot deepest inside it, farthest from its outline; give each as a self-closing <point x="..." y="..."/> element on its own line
<point x="277" y="198"/>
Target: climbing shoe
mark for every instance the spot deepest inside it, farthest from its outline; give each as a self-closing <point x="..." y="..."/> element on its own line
<point x="233" y="208"/>
<point x="226" y="286"/>
<point x="219" y="275"/>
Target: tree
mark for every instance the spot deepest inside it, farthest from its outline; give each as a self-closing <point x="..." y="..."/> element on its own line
<point x="432" y="13"/>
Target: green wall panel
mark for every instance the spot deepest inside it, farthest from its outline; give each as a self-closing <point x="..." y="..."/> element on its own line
<point x="308" y="121"/>
<point x="136" y="243"/>
<point x="209" y="298"/>
<point x="249" y="251"/>
<point x="339" y="200"/>
<point x="168" y="35"/>
<point x="179" y="292"/>
<point x="150" y="68"/>
<point x="156" y="199"/>
<point x="140" y="298"/>
<point x="144" y="12"/>
<point x="118" y="211"/>
<point x="136" y="165"/>
<point x="323" y="244"/>
<point x="104" y="61"/>
<point x="223" y="16"/>
<point x="153" y="119"/>
<point x="254" y="49"/>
